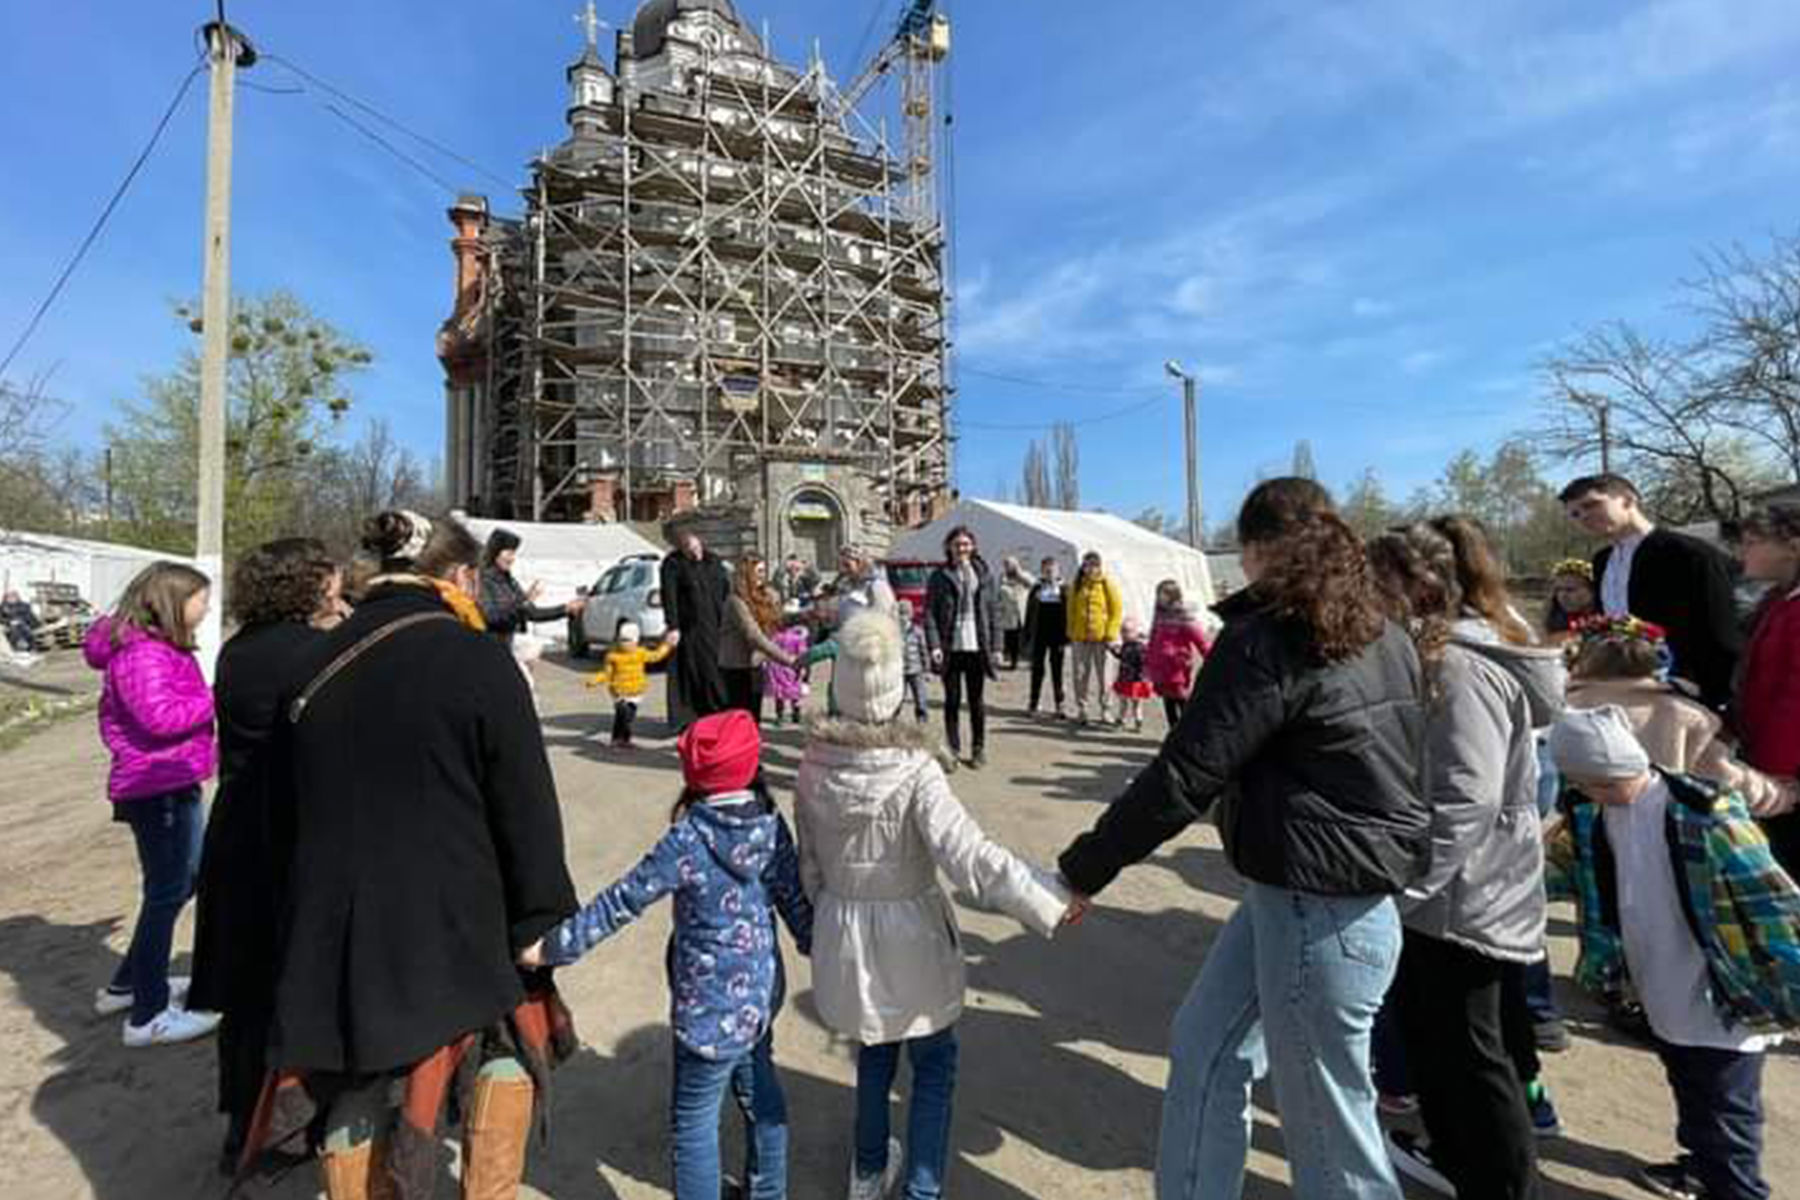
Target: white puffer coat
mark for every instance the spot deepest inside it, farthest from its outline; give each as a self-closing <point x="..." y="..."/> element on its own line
<point x="877" y="822"/>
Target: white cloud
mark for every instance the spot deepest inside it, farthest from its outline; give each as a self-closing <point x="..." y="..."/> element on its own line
<point x="1368" y="308"/>
<point x="1422" y="362"/>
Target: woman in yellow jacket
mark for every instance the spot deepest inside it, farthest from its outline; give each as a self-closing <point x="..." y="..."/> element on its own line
<point x="1096" y="614"/>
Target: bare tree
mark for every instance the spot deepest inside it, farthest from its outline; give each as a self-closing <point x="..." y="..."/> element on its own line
<point x="1649" y="409"/>
<point x="27" y="412"/>
<point x="1303" y="466"/>
<point x="1034" y="482"/>
<point x="1067" y="453"/>
<point x="1751" y="345"/>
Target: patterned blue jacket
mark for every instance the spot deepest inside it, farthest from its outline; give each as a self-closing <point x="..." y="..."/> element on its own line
<point x="730" y="863"/>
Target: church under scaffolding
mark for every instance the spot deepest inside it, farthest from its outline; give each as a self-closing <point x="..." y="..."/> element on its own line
<point x="727" y="292"/>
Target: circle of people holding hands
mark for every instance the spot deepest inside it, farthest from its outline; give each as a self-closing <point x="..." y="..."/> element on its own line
<point x="1401" y="768"/>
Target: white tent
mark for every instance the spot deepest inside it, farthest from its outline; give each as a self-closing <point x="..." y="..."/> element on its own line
<point x="1136" y="558"/>
<point x="564" y="557"/>
<point x="101" y="570"/>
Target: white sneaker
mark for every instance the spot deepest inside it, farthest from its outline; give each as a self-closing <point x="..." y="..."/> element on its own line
<point x="108" y="1003"/>
<point x="170" y="1026"/>
<point x="877" y="1187"/>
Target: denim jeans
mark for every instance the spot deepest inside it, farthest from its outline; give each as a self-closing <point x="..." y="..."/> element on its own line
<point x="1291" y="986"/>
<point x="167" y="830"/>
<point x="928" y="1118"/>
<point x="700" y="1085"/>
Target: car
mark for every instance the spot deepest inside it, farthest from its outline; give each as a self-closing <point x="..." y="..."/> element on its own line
<point x="909" y="578"/>
<point x="630" y="590"/>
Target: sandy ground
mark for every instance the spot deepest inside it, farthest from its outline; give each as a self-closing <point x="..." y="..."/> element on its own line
<point x="1062" y="1044"/>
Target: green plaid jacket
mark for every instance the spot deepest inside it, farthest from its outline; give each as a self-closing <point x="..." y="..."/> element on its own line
<point x="1742" y="908"/>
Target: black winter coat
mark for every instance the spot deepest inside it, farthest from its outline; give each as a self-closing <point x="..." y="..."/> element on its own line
<point x="1316" y="768"/>
<point x="428" y="845"/>
<point x="506" y="608"/>
<point x="943" y="596"/>
<point x="1047" y="624"/>
<point x="243" y="867"/>
<point x="694" y="596"/>
<point x="1685" y="585"/>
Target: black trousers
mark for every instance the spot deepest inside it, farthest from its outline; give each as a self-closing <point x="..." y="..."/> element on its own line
<point x="1517" y="1021"/>
<point x="965" y="669"/>
<point x="1051" y="656"/>
<point x="743" y="689"/>
<point x="1173" y="707"/>
<point x="1719" y="1118"/>
<point x="1470" y="1094"/>
<point x="1014" y="639"/>
<point x="624" y="717"/>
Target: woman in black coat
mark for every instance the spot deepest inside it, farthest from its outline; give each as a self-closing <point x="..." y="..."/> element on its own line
<point x="281" y="593"/>
<point x="507" y="608"/>
<point x="428" y="852"/>
<point x="962" y="634"/>
<point x="1306" y="730"/>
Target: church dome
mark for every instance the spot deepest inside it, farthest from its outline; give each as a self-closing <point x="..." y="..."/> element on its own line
<point x="651" y="28"/>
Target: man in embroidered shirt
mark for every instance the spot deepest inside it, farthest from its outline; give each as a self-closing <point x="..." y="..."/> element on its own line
<point x="1669" y="579"/>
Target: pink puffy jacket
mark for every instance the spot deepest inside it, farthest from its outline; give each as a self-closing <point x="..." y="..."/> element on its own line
<point x="1177" y="643"/>
<point x="156" y="714"/>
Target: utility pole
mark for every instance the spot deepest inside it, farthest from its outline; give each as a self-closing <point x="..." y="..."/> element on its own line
<point x="226" y="50"/>
<point x="1190" y="395"/>
<point x="1606" y="437"/>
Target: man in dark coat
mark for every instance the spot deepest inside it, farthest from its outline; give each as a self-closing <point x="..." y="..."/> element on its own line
<point x="695" y="591"/>
<point x="1666" y="578"/>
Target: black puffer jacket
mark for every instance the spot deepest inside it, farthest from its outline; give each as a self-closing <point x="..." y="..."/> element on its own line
<point x="1316" y="768"/>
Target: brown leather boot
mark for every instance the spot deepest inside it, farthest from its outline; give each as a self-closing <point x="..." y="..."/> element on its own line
<point x="359" y="1174"/>
<point x="494" y="1141"/>
<point x="348" y="1174"/>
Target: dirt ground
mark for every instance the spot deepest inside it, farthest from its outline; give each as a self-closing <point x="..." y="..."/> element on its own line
<point x="1062" y="1045"/>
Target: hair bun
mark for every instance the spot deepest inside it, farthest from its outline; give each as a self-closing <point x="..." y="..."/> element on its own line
<point x="386" y="534"/>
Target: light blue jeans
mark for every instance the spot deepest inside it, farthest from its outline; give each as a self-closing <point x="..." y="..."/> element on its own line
<point x="1291" y="986"/>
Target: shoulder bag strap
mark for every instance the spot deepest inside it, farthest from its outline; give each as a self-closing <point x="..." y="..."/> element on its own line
<point x="297" y="709"/>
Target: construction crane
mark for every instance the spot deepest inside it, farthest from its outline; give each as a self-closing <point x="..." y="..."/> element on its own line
<point x="921" y="41"/>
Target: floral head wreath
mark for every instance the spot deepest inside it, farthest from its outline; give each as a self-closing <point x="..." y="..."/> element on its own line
<point x="1597" y="627"/>
<point x="1581" y="568"/>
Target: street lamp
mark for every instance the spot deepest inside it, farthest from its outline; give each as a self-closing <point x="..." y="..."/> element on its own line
<point x="1190" y="388"/>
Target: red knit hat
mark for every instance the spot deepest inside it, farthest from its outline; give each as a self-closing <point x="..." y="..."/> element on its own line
<point x="720" y="753"/>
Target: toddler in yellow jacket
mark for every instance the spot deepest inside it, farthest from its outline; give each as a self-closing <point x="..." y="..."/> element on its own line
<point x="627" y="672"/>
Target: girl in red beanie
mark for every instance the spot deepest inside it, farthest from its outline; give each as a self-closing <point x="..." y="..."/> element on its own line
<point x="729" y="861"/>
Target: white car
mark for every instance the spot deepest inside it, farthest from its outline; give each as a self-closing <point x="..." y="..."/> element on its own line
<point x="629" y="591"/>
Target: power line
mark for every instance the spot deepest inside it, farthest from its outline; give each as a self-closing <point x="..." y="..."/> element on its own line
<point x="392" y="149"/>
<point x="1057" y="386"/>
<point x="1038" y="425"/>
<point x="391" y="122"/>
<point x="106" y="213"/>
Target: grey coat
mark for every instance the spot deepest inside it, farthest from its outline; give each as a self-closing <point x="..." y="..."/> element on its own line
<point x="1484" y="888"/>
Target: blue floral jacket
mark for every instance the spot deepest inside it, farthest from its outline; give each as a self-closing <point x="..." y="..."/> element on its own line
<point x="730" y="863"/>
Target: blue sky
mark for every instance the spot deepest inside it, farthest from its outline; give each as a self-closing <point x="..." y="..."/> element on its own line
<point x="1363" y="223"/>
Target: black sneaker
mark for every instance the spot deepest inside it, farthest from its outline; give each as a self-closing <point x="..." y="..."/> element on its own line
<point x="980" y="760"/>
<point x="1673" y="1180"/>
<point x="1552" y="1036"/>
<point x="1411" y="1156"/>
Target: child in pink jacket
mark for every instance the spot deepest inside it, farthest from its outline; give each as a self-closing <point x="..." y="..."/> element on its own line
<point x="1178" y="644"/>
<point x="156" y="717"/>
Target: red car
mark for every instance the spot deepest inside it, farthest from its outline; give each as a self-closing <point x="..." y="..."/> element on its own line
<point x="908" y="579"/>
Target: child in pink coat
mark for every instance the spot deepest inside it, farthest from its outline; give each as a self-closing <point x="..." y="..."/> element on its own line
<point x="786" y="685"/>
<point x="156" y="717"/>
<point x="1178" y="645"/>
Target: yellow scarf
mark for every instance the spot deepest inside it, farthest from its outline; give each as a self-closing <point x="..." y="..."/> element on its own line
<point x="455" y="599"/>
